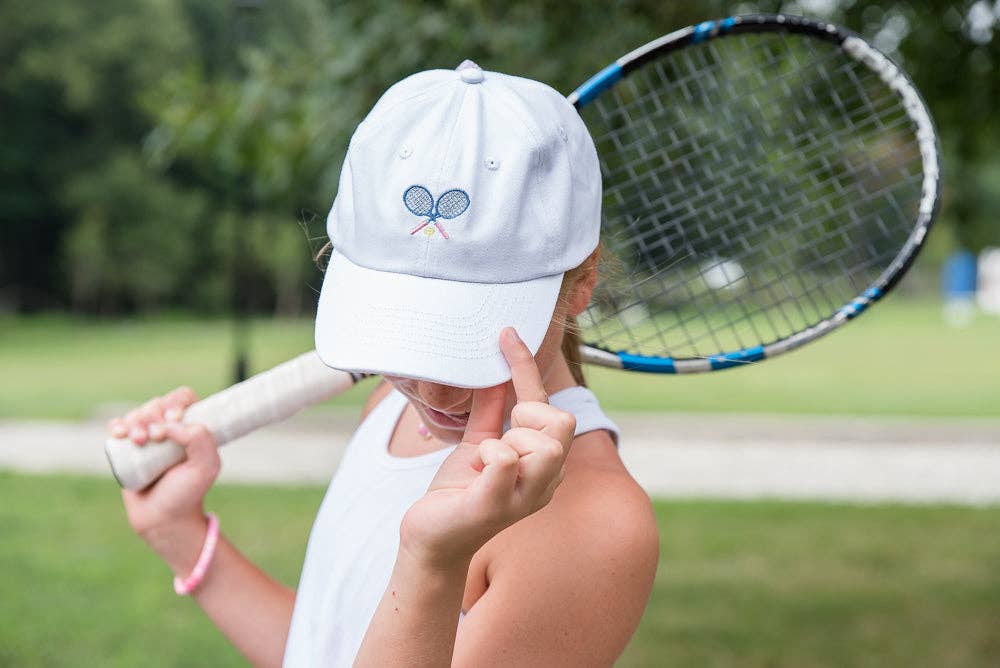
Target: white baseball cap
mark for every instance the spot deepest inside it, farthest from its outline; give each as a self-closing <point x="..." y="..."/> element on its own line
<point x="464" y="197"/>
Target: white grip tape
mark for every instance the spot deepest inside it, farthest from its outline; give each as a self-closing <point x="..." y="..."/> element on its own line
<point x="266" y="398"/>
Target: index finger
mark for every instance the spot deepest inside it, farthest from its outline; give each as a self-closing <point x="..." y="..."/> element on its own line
<point x="524" y="371"/>
<point x="177" y="401"/>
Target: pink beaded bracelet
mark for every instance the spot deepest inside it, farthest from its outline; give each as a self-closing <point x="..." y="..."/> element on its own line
<point x="188" y="584"/>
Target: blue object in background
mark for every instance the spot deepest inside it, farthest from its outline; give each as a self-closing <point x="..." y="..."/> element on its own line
<point x="958" y="275"/>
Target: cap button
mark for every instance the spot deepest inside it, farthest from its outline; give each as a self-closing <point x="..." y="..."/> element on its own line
<point x="469" y="72"/>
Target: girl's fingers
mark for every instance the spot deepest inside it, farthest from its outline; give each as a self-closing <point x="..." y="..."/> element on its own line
<point x="486" y="417"/>
<point x="549" y="420"/>
<point x="540" y="460"/>
<point x="174" y="404"/>
<point x="499" y="475"/>
<point x="524" y="373"/>
<point x="157" y="431"/>
<point x="176" y="401"/>
<point x="146" y="421"/>
<point x="117" y="428"/>
<point x="151" y="411"/>
<point x="138" y="420"/>
<point x="138" y="434"/>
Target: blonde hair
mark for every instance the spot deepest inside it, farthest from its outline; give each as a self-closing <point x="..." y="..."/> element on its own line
<point x="571" y="328"/>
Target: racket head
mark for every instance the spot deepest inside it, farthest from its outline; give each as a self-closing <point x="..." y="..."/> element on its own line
<point x="418" y="200"/>
<point x="766" y="179"/>
<point x="452" y="203"/>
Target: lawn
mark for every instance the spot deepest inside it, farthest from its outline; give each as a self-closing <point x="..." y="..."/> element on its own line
<point x="898" y="360"/>
<point x="739" y="584"/>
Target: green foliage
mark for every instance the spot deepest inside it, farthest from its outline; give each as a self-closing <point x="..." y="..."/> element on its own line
<point x="953" y="55"/>
<point x="68" y="90"/>
<point x="249" y="114"/>
<point x="134" y="238"/>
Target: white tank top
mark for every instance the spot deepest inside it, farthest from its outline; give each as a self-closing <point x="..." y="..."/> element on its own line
<point x="355" y="538"/>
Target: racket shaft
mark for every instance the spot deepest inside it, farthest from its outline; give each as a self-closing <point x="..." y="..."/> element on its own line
<point x="268" y="397"/>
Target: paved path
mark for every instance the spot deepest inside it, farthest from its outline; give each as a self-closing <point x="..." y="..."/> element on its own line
<point x="719" y="456"/>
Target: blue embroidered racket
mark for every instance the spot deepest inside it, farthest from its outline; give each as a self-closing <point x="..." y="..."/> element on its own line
<point x="420" y="202"/>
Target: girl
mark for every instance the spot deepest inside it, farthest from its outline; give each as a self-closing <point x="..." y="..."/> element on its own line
<point x="481" y="514"/>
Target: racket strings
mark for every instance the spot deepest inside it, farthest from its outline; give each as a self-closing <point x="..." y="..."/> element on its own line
<point x="723" y="178"/>
<point x="817" y="295"/>
<point x="828" y="303"/>
<point x="452" y="204"/>
<point x="753" y="186"/>
<point x="418" y="200"/>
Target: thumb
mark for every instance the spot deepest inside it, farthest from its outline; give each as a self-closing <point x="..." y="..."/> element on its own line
<point x="486" y="417"/>
<point x="198" y="443"/>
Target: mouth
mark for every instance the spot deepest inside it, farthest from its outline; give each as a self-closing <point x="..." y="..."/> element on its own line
<point x="446" y="420"/>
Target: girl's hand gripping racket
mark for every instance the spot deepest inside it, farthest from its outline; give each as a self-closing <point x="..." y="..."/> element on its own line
<point x="266" y="398"/>
<point x="767" y="179"/>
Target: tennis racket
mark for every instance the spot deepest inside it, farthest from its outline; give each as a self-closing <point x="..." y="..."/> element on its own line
<point x="767" y="179"/>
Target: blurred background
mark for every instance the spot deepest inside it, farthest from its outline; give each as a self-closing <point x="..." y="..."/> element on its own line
<point x="167" y="169"/>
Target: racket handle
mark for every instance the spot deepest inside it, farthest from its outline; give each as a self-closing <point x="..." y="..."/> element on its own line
<point x="270" y="396"/>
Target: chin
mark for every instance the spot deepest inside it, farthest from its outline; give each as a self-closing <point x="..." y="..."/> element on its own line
<point x="448" y="436"/>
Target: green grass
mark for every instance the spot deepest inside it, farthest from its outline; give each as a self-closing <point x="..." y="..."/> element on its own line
<point x="739" y="584"/>
<point x="899" y="360"/>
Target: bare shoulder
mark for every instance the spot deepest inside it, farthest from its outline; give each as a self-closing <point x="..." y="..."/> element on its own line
<point x="598" y="504"/>
<point x="601" y="511"/>
<point x="572" y="580"/>
<point x="601" y="497"/>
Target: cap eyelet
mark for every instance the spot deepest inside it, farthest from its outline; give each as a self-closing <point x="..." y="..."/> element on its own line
<point x="491" y="164"/>
<point x="405" y="152"/>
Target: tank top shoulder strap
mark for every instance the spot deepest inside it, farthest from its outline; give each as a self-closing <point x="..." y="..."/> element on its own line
<point x="372" y="435"/>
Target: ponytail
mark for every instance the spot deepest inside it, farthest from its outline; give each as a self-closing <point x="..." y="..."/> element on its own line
<point x="571" y="328"/>
<point x="571" y="350"/>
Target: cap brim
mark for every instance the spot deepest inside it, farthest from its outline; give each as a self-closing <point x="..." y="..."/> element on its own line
<point x="427" y="328"/>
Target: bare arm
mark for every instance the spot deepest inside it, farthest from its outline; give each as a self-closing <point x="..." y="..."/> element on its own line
<point x="251" y="609"/>
<point x="490" y="481"/>
<point x="416" y="620"/>
<point x="568" y="580"/>
<point x="568" y="585"/>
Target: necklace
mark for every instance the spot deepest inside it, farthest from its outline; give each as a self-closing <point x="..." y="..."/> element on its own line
<point x="424" y="431"/>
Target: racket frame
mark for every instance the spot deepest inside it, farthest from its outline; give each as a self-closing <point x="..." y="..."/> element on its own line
<point x="860" y="50"/>
<point x="227" y="414"/>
